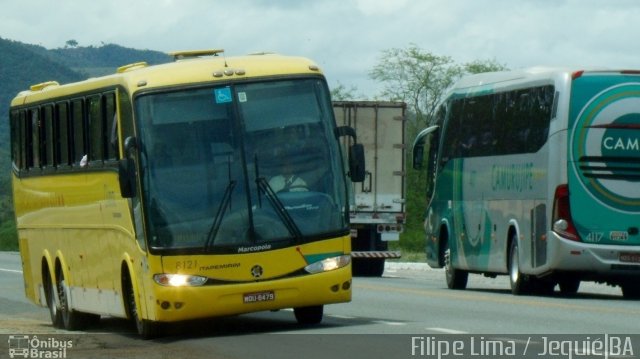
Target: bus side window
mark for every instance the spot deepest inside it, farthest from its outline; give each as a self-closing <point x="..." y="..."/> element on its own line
<point x="111" y="129"/>
<point x="47" y="140"/>
<point x="78" y="146"/>
<point x="62" y="138"/>
<point x="33" y="136"/>
<point x="24" y="142"/>
<point x="95" y="124"/>
<point x="451" y="147"/>
<point x="16" y="139"/>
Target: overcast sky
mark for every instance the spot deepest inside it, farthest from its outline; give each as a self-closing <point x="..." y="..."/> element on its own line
<point x="345" y="37"/>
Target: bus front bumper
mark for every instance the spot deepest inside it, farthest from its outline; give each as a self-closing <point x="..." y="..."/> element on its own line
<point x="184" y="303"/>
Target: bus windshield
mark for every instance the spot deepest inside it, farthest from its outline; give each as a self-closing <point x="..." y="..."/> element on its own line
<point x="240" y="168"/>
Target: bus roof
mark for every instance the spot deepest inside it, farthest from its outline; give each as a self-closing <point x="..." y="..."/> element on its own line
<point x="487" y="81"/>
<point x="190" y="68"/>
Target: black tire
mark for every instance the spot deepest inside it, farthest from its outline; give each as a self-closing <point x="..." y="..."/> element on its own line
<point x="146" y="329"/>
<point x="376" y="267"/>
<point x="569" y="286"/>
<point x="71" y="319"/>
<point x="52" y="301"/>
<point x="541" y="286"/>
<point x="309" y="315"/>
<point x="367" y="267"/>
<point x="456" y="278"/>
<point x="517" y="280"/>
<point x="630" y="290"/>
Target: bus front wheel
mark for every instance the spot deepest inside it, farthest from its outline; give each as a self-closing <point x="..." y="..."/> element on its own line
<point x="309" y="315"/>
<point x="516" y="278"/>
<point x="456" y="278"/>
<point x="146" y="329"/>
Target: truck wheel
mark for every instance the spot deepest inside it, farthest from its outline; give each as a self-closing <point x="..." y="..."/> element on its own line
<point x="368" y="267"/>
<point x="376" y="267"/>
<point x="456" y="278"/>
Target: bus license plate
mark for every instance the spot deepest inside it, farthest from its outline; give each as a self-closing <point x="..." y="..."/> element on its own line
<point x="266" y="296"/>
<point x="630" y="257"/>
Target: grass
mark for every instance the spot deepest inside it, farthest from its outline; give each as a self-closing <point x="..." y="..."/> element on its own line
<point x="8" y="236"/>
<point x="412" y="257"/>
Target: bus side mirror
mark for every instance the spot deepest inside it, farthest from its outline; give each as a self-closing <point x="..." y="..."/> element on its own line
<point x="356" y="154"/>
<point x="356" y="162"/>
<point x="127" y="169"/>
<point x="418" y="155"/>
<point x="418" y="146"/>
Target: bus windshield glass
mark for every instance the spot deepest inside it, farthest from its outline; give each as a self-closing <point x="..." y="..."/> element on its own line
<point x="240" y="168"/>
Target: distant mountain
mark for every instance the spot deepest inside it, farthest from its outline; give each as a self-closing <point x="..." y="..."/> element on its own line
<point x="22" y="65"/>
<point x="98" y="61"/>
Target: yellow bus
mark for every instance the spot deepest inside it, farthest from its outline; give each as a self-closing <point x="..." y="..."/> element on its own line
<point x="164" y="193"/>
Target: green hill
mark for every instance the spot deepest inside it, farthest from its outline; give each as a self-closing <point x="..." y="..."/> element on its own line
<point x="22" y="65"/>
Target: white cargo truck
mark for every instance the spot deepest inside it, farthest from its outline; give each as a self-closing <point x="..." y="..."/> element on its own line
<point x="377" y="204"/>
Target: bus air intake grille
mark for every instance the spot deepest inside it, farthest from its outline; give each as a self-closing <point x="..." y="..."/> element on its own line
<point x="617" y="168"/>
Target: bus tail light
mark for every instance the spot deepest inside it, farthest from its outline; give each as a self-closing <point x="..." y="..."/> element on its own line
<point x="562" y="221"/>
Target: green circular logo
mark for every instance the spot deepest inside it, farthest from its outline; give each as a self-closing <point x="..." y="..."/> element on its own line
<point x="605" y="147"/>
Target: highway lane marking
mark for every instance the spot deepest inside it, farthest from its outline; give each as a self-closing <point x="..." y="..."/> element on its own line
<point x="447" y="330"/>
<point x="10" y="270"/>
<point x="460" y="295"/>
<point x="386" y="322"/>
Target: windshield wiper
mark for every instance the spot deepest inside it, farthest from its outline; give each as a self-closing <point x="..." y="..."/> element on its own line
<point x="217" y="221"/>
<point x="265" y="188"/>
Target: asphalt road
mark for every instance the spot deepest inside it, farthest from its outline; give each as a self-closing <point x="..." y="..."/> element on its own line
<point x="409" y="301"/>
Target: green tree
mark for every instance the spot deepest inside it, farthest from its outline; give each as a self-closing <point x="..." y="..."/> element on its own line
<point x="342" y="93"/>
<point x="71" y="43"/>
<point x="421" y="79"/>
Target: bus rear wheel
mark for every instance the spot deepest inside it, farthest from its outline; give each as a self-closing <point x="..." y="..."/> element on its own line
<point x="53" y="304"/>
<point x="71" y="319"/>
<point x="630" y="290"/>
<point x="569" y="286"/>
<point x="309" y="315"/>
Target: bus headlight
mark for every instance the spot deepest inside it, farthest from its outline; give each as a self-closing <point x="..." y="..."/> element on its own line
<point x="179" y="280"/>
<point x="329" y="264"/>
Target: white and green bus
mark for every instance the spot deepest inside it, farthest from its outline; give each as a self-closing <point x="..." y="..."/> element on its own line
<point x="536" y="174"/>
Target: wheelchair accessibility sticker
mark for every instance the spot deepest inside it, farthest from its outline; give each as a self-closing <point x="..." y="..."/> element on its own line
<point x="223" y="95"/>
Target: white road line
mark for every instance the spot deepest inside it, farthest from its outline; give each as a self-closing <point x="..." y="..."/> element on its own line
<point x="10" y="270"/>
<point x="385" y="322"/>
<point x="447" y="331"/>
<point x="340" y="316"/>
